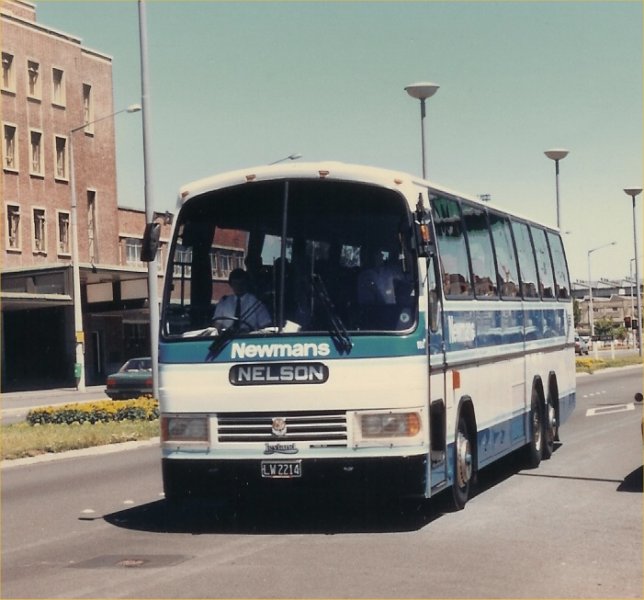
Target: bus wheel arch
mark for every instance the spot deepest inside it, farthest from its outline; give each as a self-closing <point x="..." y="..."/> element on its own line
<point x="465" y="454"/>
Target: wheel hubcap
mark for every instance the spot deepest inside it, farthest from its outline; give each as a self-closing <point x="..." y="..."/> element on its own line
<point x="536" y="429"/>
<point x="552" y="418"/>
<point x="463" y="460"/>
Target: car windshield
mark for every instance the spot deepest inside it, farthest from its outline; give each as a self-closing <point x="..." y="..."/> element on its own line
<point x="137" y="364"/>
<point x="311" y="257"/>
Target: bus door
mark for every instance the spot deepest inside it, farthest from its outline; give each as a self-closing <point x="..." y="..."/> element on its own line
<point x="438" y="462"/>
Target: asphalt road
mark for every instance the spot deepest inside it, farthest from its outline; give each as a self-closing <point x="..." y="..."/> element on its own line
<point x="96" y="526"/>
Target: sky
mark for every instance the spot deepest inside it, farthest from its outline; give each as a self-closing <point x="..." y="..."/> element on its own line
<point x="237" y="84"/>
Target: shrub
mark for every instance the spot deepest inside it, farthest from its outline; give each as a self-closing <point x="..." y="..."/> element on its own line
<point x="589" y="365"/>
<point x="105" y="411"/>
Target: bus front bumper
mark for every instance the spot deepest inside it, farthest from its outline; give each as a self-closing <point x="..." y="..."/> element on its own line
<point x="393" y="476"/>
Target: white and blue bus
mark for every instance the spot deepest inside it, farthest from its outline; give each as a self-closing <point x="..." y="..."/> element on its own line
<point x="414" y="336"/>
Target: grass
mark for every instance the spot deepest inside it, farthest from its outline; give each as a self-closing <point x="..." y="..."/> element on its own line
<point x="21" y="440"/>
<point x="590" y="365"/>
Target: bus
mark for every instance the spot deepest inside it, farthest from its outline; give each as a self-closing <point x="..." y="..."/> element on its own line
<point x="414" y="336"/>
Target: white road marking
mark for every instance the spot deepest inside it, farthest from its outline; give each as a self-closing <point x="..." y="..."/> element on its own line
<point x="609" y="410"/>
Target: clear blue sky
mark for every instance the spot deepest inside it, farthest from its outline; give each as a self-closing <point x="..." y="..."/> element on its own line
<point x="235" y="84"/>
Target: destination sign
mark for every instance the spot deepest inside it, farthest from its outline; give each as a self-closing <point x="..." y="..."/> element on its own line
<point x="278" y="373"/>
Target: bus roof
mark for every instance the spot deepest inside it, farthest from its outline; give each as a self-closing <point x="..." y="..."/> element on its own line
<point x="331" y="170"/>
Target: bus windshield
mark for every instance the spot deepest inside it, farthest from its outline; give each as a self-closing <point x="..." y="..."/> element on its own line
<point x="309" y="256"/>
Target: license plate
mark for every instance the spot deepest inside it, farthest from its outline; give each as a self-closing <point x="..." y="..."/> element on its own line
<point x="281" y="469"/>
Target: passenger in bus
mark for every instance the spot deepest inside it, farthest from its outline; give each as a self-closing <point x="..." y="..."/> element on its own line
<point x="377" y="282"/>
<point x="240" y="311"/>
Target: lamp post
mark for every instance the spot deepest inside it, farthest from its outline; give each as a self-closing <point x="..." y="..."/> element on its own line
<point x="630" y="280"/>
<point x="590" y="290"/>
<point x="633" y="193"/>
<point x="153" y="269"/>
<point x="422" y="91"/>
<point x="79" y="334"/>
<point x="293" y="156"/>
<point x="557" y="154"/>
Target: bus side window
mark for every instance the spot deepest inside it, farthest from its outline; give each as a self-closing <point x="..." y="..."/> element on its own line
<point x="478" y="237"/>
<point x="527" y="264"/>
<point x="507" y="273"/>
<point x="562" y="282"/>
<point x="544" y="264"/>
<point x="450" y="237"/>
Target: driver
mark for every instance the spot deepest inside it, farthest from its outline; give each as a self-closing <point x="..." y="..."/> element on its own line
<point x="240" y="311"/>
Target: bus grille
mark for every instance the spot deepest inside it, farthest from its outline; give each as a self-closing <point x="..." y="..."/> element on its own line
<point x="317" y="428"/>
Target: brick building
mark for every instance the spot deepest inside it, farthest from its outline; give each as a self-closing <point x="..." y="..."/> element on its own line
<point x="53" y="84"/>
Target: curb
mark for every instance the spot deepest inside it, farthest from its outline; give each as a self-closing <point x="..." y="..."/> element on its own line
<point x="91" y="451"/>
<point x="610" y="370"/>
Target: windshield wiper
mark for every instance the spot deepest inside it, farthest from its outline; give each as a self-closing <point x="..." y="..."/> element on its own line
<point x="337" y="329"/>
<point x="219" y="342"/>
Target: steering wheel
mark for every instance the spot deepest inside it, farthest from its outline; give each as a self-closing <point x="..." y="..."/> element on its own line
<point x="237" y="325"/>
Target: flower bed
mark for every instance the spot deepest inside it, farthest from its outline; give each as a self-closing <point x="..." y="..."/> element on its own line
<point x="140" y="409"/>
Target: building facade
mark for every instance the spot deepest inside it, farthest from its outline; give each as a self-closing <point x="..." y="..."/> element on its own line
<point x="615" y="303"/>
<point x="51" y="86"/>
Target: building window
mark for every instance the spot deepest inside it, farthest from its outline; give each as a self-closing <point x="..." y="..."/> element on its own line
<point x="182" y="261"/>
<point x="8" y="74"/>
<point x="13" y="227"/>
<point x="63" y="233"/>
<point x="9" y="148"/>
<point x="88" y="108"/>
<point x="34" y="88"/>
<point x="224" y="260"/>
<point x="40" y="238"/>
<point x="133" y="251"/>
<point x="58" y="91"/>
<point x="91" y="226"/>
<point x="61" y="157"/>
<point x="35" y="140"/>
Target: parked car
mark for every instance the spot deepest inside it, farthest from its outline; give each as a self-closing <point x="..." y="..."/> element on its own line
<point x="581" y="347"/>
<point x="132" y="380"/>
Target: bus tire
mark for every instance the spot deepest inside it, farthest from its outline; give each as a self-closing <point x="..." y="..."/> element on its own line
<point x="534" y="449"/>
<point x="463" y="465"/>
<point x="550" y="430"/>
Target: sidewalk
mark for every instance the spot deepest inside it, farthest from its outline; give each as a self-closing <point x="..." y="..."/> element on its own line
<point x="52" y="393"/>
<point x="17" y="403"/>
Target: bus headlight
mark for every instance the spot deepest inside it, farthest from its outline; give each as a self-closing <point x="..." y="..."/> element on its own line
<point x="387" y="425"/>
<point x="188" y="428"/>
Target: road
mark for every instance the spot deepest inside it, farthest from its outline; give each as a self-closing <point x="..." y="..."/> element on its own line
<point x="96" y="526"/>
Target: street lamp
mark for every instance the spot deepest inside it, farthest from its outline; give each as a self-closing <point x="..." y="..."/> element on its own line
<point x="630" y="280"/>
<point x="590" y="289"/>
<point x="79" y="334"/>
<point x="293" y="156"/>
<point x="557" y="155"/>
<point x="422" y="91"/>
<point x="633" y="193"/>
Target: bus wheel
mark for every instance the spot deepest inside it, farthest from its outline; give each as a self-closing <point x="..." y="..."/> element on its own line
<point x="550" y="430"/>
<point x="463" y="468"/>
<point x="534" y="449"/>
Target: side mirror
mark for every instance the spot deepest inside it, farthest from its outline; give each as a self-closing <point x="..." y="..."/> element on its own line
<point x="150" y="244"/>
<point x="422" y="230"/>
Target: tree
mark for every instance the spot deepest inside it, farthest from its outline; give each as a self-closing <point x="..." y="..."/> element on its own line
<point x="576" y="312"/>
<point x="605" y="327"/>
